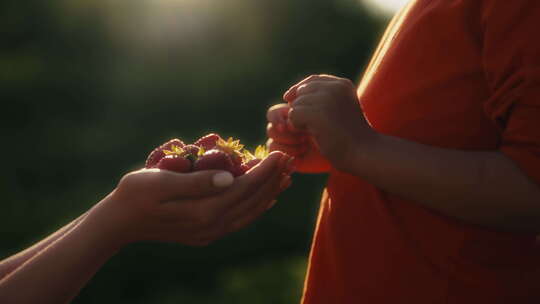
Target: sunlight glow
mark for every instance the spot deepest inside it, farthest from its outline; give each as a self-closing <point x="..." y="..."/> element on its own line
<point x="385" y="6"/>
<point x="154" y="24"/>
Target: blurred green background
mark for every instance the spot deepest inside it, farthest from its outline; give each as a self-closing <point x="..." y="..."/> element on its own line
<point x="88" y="88"/>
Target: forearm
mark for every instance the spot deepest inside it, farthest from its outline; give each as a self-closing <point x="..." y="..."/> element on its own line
<point x="484" y="188"/>
<point x="13" y="262"/>
<point x="59" y="271"/>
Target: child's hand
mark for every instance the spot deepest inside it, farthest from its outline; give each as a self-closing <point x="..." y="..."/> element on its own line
<point x="193" y="208"/>
<point x="327" y="108"/>
<point x="282" y="136"/>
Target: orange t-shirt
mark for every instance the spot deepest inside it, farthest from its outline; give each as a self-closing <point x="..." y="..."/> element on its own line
<point x="457" y="74"/>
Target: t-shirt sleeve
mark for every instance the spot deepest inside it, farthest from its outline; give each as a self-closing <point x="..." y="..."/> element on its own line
<point x="511" y="59"/>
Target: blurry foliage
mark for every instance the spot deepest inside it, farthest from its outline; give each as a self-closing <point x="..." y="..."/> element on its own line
<point x="87" y="88"/>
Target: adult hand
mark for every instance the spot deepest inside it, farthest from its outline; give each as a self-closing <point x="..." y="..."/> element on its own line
<point x="193" y="208"/>
<point x="327" y="108"/>
<point x="282" y="136"/>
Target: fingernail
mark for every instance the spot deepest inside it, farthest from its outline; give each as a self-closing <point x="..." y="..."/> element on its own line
<point x="222" y="179"/>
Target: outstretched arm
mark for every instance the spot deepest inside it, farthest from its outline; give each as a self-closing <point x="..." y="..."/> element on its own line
<point x="55" y="269"/>
<point x="193" y="209"/>
<point x="13" y="262"/>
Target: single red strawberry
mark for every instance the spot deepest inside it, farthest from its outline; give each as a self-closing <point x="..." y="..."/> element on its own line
<point x="214" y="160"/>
<point x="175" y="163"/>
<point x="157" y="154"/>
<point x="208" y="142"/>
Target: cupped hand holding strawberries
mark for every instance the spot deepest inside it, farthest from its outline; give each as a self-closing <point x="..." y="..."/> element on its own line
<point x="322" y="122"/>
<point x="198" y="206"/>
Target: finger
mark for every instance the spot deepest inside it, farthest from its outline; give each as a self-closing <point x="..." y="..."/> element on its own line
<point x="251" y="208"/>
<point x="266" y="172"/>
<point x="292" y="128"/>
<point x="292" y="150"/>
<point x="291" y="94"/>
<point x="244" y="210"/>
<point x="203" y="212"/>
<point x="285" y="137"/>
<point x="198" y="214"/>
<point x="261" y="196"/>
<point x="246" y="184"/>
<point x="277" y="115"/>
<point x="305" y="107"/>
<point x="262" y="201"/>
<point x="310" y="87"/>
<point x="171" y="185"/>
<point x="300" y="117"/>
<point x="338" y="85"/>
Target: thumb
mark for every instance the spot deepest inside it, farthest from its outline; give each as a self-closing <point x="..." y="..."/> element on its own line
<point x="262" y="171"/>
<point x="299" y="116"/>
<point x="173" y="185"/>
<point x="277" y="114"/>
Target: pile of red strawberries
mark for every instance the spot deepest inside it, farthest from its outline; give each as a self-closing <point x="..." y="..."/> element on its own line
<point x="209" y="152"/>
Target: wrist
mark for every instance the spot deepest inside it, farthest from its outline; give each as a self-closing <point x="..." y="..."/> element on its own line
<point x="358" y="157"/>
<point x="108" y="223"/>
